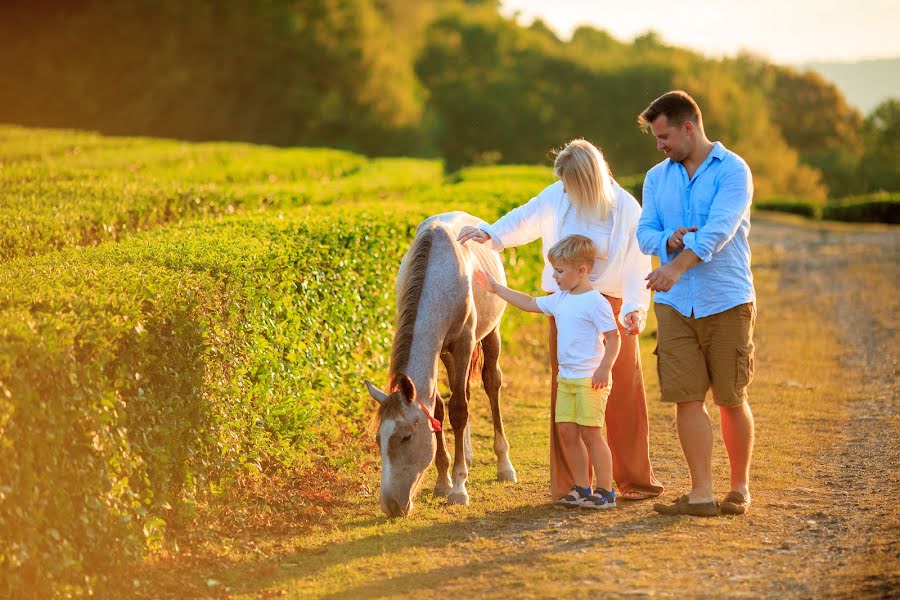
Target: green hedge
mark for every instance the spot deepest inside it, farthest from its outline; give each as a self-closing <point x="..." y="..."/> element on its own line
<point x="136" y="378"/>
<point x="63" y="188"/>
<point x="881" y="207"/>
<point x="634" y="184"/>
<point x="796" y="206"/>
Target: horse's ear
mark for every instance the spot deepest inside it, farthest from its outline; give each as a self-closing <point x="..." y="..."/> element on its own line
<point x="406" y="387"/>
<point x="377" y="394"/>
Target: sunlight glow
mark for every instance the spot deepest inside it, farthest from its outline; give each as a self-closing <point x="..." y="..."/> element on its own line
<point x="784" y="32"/>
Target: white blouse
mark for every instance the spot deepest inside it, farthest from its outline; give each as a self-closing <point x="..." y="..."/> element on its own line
<point x="600" y="233"/>
<point x="622" y="273"/>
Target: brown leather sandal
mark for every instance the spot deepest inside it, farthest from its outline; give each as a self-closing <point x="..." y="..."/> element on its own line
<point x="681" y="506"/>
<point x="735" y="504"/>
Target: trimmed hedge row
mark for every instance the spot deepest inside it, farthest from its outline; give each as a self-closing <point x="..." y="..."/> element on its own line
<point x="881" y="207"/>
<point x="795" y="206"/>
<point x="137" y="377"/>
<point x="61" y="188"/>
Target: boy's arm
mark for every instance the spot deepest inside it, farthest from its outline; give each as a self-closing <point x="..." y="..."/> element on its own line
<point x="517" y="299"/>
<point x="601" y="375"/>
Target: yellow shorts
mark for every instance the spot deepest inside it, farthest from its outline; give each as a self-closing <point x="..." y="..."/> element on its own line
<point x="577" y="402"/>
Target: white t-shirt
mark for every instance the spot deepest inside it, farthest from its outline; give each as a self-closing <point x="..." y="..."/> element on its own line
<point x="581" y="321"/>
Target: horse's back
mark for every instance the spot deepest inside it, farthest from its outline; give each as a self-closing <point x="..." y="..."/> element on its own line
<point x="477" y="256"/>
<point x="454" y="264"/>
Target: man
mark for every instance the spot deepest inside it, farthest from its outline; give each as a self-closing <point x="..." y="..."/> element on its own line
<point x="696" y="217"/>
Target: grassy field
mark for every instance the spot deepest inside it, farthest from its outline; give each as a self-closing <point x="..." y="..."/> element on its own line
<point x="185" y="329"/>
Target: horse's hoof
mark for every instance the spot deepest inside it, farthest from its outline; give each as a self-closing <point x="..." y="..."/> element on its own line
<point x="507" y="475"/>
<point x="458" y="498"/>
<point x="442" y="491"/>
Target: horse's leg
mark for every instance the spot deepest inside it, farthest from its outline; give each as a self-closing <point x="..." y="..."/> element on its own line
<point x="459" y="417"/>
<point x="493" y="379"/>
<point x="441" y="456"/>
<point x="470" y="456"/>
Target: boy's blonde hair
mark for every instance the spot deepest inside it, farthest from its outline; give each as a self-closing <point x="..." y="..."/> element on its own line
<point x="586" y="177"/>
<point x="573" y="250"/>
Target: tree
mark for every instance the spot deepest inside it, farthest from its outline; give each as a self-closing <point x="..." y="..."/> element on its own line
<point x="879" y="164"/>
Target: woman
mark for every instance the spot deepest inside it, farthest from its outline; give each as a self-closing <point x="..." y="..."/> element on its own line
<point x="587" y="201"/>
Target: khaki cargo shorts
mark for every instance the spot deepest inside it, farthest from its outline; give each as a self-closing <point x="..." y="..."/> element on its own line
<point x="694" y="354"/>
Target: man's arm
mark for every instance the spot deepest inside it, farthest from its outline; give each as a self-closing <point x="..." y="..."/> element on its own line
<point x="663" y="278"/>
<point x="729" y="205"/>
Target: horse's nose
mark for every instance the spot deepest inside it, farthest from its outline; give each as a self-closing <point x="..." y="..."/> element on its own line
<point x="395" y="509"/>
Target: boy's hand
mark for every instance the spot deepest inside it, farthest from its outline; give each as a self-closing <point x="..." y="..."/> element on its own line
<point x="485" y="281"/>
<point x="600" y="379"/>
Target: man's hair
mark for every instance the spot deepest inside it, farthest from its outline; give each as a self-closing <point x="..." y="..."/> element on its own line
<point x="574" y="250"/>
<point x="677" y="106"/>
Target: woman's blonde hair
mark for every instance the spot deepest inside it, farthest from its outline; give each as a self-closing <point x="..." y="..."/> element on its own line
<point x="586" y="177"/>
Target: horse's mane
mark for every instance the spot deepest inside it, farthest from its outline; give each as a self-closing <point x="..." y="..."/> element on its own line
<point x="409" y="293"/>
<point x="408" y="296"/>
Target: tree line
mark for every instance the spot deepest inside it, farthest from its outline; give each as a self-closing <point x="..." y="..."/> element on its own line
<point x="449" y="78"/>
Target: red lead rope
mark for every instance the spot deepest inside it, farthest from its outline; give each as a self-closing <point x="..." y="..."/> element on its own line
<point x="435" y="424"/>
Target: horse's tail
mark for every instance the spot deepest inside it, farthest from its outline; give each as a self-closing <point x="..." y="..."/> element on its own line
<point x="477" y="361"/>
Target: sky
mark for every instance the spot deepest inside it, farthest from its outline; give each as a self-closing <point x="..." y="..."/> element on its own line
<point x="784" y="31"/>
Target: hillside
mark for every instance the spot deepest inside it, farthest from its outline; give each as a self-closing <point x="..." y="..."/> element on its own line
<point x="865" y="83"/>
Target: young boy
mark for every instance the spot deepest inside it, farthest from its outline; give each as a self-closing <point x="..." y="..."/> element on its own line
<point x="584" y="320"/>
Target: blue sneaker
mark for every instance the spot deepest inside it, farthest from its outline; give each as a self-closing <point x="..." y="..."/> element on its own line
<point x="576" y="497"/>
<point x="600" y="499"/>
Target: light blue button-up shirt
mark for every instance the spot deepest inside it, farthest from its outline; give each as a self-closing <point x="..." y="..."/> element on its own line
<point x="716" y="200"/>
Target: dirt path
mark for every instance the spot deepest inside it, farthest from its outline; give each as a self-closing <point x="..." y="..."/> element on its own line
<point x="854" y="275"/>
<point x="824" y="520"/>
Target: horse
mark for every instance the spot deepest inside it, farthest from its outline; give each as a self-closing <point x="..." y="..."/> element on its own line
<point x="440" y="315"/>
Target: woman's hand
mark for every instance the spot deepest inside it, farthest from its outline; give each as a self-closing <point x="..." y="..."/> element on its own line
<point x="485" y="281"/>
<point x="472" y="233"/>
<point x="633" y="323"/>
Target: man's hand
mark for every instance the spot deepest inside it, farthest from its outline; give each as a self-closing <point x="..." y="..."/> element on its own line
<point x="472" y="233"/>
<point x="600" y="378"/>
<point x="676" y="241"/>
<point x="663" y="278"/>
<point x="485" y="281"/>
<point x="633" y="323"/>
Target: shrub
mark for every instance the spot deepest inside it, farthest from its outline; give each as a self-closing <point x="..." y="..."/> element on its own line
<point x="634" y="185"/>
<point x="797" y="206"/>
<point x="880" y="207"/>
<point x="139" y="377"/>
<point x="62" y="188"/>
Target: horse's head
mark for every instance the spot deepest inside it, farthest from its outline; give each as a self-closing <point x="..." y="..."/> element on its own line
<point x="407" y="445"/>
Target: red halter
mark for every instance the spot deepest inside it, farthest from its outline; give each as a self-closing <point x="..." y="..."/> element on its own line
<point x="435" y="424"/>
